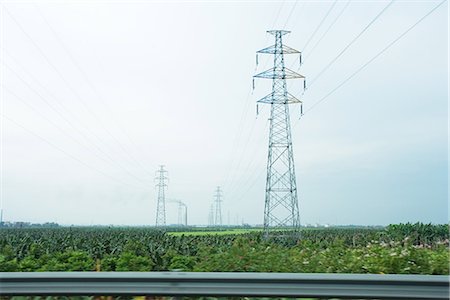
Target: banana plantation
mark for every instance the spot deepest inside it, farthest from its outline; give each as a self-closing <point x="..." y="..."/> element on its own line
<point x="396" y="249"/>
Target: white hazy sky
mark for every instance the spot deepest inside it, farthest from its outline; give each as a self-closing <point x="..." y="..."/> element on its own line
<point x="97" y="94"/>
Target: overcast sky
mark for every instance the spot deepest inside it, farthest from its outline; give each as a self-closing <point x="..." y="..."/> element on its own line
<point x="97" y="94"/>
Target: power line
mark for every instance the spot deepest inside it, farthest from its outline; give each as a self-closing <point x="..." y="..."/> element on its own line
<point x="351" y="43"/>
<point x="326" y="31"/>
<point x="94" y="89"/>
<point x="244" y="150"/>
<point x="376" y="56"/>
<point x="57" y="101"/>
<point x="297" y="15"/>
<point x="74" y="92"/>
<point x="253" y="182"/>
<point x="237" y="137"/>
<point x="120" y="94"/>
<point x="278" y="14"/>
<point x="250" y="180"/>
<point x="233" y="189"/>
<point x="61" y="115"/>
<point x="67" y="153"/>
<point x="290" y="13"/>
<point x="69" y="122"/>
<point x="68" y="135"/>
<point x="320" y="25"/>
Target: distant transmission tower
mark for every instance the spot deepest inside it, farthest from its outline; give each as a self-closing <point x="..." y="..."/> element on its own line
<point x="218" y="208"/>
<point x="161" y="205"/>
<point x="182" y="211"/>
<point x="281" y="202"/>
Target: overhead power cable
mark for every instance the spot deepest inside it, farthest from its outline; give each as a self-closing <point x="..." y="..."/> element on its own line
<point x="96" y="92"/>
<point x="109" y="162"/>
<point x="244" y="150"/>
<point x="351" y="43"/>
<point x="376" y="56"/>
<point x="61" y="109"/>
<point x="233" y="189"/>
<point x="308" y="54"/>
<point x="250" y="183"/>
<point x="70" y="124"/>
<point x="74" y="92"/>
<point x="237" y="138"/>
<point x="68" y="154"/>
<point x="57" y="101"/>
<point x="320" y="25"/>
<point x="290" y="13"/>
<point x="278" y="14"/>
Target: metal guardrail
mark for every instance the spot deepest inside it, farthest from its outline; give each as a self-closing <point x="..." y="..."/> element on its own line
<point x="367" y="286"/>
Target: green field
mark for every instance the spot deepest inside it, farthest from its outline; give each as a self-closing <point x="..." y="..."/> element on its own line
<point x="215" y="232"/>
<point x="397" y="249"/>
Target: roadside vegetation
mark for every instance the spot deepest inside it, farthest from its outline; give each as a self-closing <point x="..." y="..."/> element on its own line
<point x="400" y="249"/>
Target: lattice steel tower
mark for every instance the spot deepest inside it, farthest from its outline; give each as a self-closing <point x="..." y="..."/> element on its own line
<point x="281" y="200"/>
<point x="218" y="207"/>
<point x="161" y="205"/>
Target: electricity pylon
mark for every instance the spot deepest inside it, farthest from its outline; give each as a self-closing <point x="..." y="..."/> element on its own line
<point x="218" y="208"/>
<point x="181" y="207"/>
<point x="281" y="200"/>
<point x="161" y="205"/>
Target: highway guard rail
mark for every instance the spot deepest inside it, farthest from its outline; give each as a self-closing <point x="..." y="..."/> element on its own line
<point x="356" y="286"/>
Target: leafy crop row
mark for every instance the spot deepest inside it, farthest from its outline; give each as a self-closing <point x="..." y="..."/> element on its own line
<point x="403" y="248"/>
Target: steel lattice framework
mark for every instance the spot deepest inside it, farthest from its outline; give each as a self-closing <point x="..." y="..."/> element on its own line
<point x="161" y="205"/>
<point x="182" y="210"/>
<point x="281" y="199"/>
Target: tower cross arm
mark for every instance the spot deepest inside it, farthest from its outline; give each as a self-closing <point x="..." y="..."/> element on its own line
<point x="280" y="32"/>
<point x="274" y="98"/>
<point x="284" y="49"/>
<point x="279" y="73"/>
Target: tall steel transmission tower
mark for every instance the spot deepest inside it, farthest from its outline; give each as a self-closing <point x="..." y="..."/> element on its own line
<point x="161" y="205"/>
<point x="281" y="200"/>
<point x="218" y="208"/>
